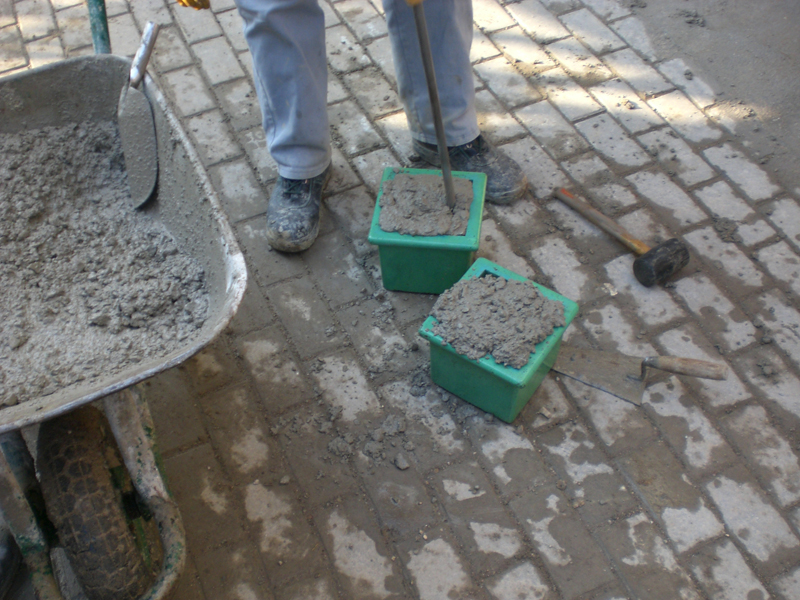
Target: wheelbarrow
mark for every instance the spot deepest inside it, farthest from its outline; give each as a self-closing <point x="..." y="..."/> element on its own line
<point x="87" y="89"/>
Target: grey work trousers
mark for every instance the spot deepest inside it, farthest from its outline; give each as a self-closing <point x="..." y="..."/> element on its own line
<point x="287" y="43"/>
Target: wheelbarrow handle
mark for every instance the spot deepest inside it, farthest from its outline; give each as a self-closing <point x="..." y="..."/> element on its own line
<point x="142" y="57"/>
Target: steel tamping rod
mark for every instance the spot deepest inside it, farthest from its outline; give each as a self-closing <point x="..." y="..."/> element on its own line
<point x="433" y="92"/>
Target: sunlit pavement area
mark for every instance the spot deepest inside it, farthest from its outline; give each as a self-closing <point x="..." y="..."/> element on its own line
<point x="311" y="455"/>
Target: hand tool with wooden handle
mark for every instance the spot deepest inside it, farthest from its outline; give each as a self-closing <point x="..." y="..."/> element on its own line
<point x="653" y="264"/>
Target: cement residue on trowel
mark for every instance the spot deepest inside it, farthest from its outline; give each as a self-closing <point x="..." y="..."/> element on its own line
<point x="90" y="286"/>
<point x="492" y="315"/>
<point x="414" y="204"/>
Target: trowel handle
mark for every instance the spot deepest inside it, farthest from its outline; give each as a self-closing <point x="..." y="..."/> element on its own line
<point x="139" y="65"/>
<point x="687" y="366"/>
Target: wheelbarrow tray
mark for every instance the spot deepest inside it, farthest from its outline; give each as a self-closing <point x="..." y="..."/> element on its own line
<point x="87" y="89"/>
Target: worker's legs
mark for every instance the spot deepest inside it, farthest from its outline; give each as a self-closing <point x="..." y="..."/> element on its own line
<point x="287" y="42"/>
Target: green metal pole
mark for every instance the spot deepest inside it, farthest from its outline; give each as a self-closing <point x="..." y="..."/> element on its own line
<point x="99" y="23"/>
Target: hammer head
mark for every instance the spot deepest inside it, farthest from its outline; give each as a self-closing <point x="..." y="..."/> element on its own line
<point x="661" y="262"/>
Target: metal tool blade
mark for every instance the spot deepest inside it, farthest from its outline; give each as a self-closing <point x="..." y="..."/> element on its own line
<point x="611" y="372"/>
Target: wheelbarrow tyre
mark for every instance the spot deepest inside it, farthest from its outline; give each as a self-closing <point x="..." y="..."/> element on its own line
<point x="86" y="507"/>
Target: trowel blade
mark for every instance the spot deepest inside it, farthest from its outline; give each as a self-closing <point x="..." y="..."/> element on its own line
<point x="611" y="372"/>
<point x="138" y="134"/>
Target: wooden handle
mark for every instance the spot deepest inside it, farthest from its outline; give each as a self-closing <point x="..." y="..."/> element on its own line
<point x="687" y="366"/>
<point x="602" y="221"/>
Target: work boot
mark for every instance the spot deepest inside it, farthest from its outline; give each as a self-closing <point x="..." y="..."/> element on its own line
<point x="293" y="212"/>
<point x="505" y="181"/>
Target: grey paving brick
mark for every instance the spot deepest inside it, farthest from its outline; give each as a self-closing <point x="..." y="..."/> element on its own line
<point x="561" y="264"/>
<point x="494" y="120"/>
<point x="74" y="25"/>
<point x="380" y="52"/>
<point x="495" y="246"/>
<point x="255" y="146"/>
<point x="719" y="315"/>
<point x="265" y="265"/>
<point x="179" y="423"/>
<point x="686" y="428"/>
<point x="562" y="541"/>
<point x="231" y="24"/>
<point x="549" y="406"/>
<point x="362" y="17"/>
<point x="218" y="60"/>
<point x="620" y="425"/>
<point x="758" y="527"/>
<point x="542" y="172"/>
<point x="331" y="18"/>
<point x="608" y="9"/>
<point x="674" y="203"/>
<point x="781" y="322"/>
<point x="573" y="56"/>
<point x="506" y="82"/>
<point x="592" y="245"/>
<point x="522" y="582"/>
<point x="592" y="31"/>
<point x="781" y="261"/>
<point x="612" y="328"/>
<point x="562" y="6"/>
<point x="233" y="568"/>
<point x="240" y="103"/>
<point x="775" y="382"/>
<point x="344" y="53"/>
<point x="353" y="211"/>
<point x="685" y="117"/>
<point x="737" y="266"/>
<point x="35" y="19"/>
<point x="436" y="569"/>
<point x="593" y="487"/>
<point x="322" y="587"/>
<point x="190" y="93"/>
<point x="490" y="16"/>
<point x="7" y="13"/>
<point x="354" y="127"/>
<point x="632" y="30"/>
<point x="600" y="184"/>
<point x="772" y="455"/>
<point x="625" y="106"/>
<point x="411" y="308"/>
<point x="370" y="168"/>
<point x="537" y="21"/>
<point x="213" y="140"/>
<point x="253" y="312"/>
<point x="241" y="195"/>
<point x="482" y="47"/>
<point x="788" y="585"/>
<point x="170" y="52"/>
<point x="116" y="7"/>
<point x="551" y="129"/>
<point x="152" y="10"/>
<point x="676" y="157"/>
<point x="565" y="94"/>
<point x="786" y="215"/>
<point x="395" y="128"/>
<point x="373" y="92"/>
<point x="643" y="223"/>
<point x="724" y="573"/>
<point x="645" y="561"/>
<point x="641" y="76"/>
<point x="677" y="504"/>
<point x="188" y="585"/>
<point x="196" y="25"/>
<point x="721" y="200"/>
<point x="335" y="268"/>
<point x="698" y="90"/>
<point x="609" y="139"/>
<point x="525" y="54"/>
<point x="44" y="51"/>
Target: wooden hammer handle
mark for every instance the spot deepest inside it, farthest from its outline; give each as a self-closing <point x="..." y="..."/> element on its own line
<point x="687" y="366"/>
<point x="602" y="221"/>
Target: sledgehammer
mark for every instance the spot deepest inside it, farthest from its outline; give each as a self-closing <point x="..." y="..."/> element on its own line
<point x="652" y="264"/>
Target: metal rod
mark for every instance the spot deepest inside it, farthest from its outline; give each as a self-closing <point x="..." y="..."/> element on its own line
<point x="433" y="92"/>
<point x="99" y="25"/>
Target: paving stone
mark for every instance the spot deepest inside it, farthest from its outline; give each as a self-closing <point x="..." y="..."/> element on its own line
<point x="218" y="60"/>
<point x="542" y="172"/>
<point x="354" y="127"/>
<point x="548" y="406"/>
<point x="241" y="195"/>
<point x="255" y="146"/>
<point x="495" y="246"/>
<point x="689" y="342"/>
<point x="525" y="54"/>
<point x="482" y="47"/>
<point x="770" y="452"/>
<point x="608" y="9"/>
<point x="685" y="117"/>
<point x="331" y="18"/>
<point x="594" y="488"/>
<point x="44" y="52"/>
<point x="781" y="322"/>
<point x="767" y="372"/>
<point x="788" y="585"/>
<point x="380" y="51"/>
<point x="477" y="515"/>
<point x="505" y="81"/>
<point x="253" y="313"/>
<point x="633" y="31"/>
<point x="522" y="582"/>
<point x="653" y="305"/>
<point x="601" y="185"/>
<point x="266" y="265"/>
<point x="347" y="282"/>
<point x="152" y="10"/>
<point x="570" y="98"/>
<point x="698" y="90"/>
<point x="320" y="588"/>
<point x="395" y="128"/>
<point x="231" y="24"/>
<point x="232" y="572"/>
<point x="611" y="328"/>
<point x="676" y="157"/>
<point x="721" y="200"/>
<point x="719" y="315"/>
<point x="725" y="258"/>
<point x="579" y="62"/>
<point x="638" y="74"/>
<point x="620" y="425"/>
<point x="754" y="522"/>
<point x="212" y="138"/>
<point x="170" y="52"/>
<point x="344" y="384"/>
<point x="178" y="422"/>
<point x="753" y="180"/>
<point x="373" y="92"/>
<point x="437" y="571"/>
<point x="188" y="585"/>
<point x="213" y="367"/>
<point x="371" y="166"/>
<point x="592" y="32"/>
<point x="625" y="106"/>
<point x="562" y="541"/>
<point x="494" y="120"/>
<point x="362" y="18"/>
<point x="189" y="91"/>
<point x="562" y="6"/>
<point x="197" y="25"/>
<point x="592" y="245"/>
<point x="559" y="262"/>
<point x="74" y="25"/>
<point x="35" y="19"/>
<point x="686" y="428"/>
<point x="672" y="200"/>
<point x="344" y="53"/>
<point x="781" y="261"/>
<point x="537" y="21"/>
<point x="6" y="13"/>
<point x="609" y="139"/>
<point x="645" y="561"/>
<point x="786" y="215"/>
<point x="411" y="307"/>
<point x="490" y="16"/>
<point x="353" y="211"/>
<point x="549" y="127"/>
<point x="239" y="102"/>
<point x="724" y="573"/>
<point x="676" y="503"/>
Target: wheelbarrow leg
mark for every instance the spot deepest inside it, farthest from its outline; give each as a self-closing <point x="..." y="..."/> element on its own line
<point x="132" y="425"/>
<point x="22" y="522"/>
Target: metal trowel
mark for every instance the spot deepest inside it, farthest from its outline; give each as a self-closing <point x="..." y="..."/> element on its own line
<point x="626" y="376"/>
<point x="136" y="127"/>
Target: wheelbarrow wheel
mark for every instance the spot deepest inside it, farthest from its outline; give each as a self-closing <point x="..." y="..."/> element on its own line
<point x="76" y="458"/>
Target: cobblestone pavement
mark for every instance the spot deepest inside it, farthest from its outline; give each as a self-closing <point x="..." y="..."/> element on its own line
<point x="280" y="441"/>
